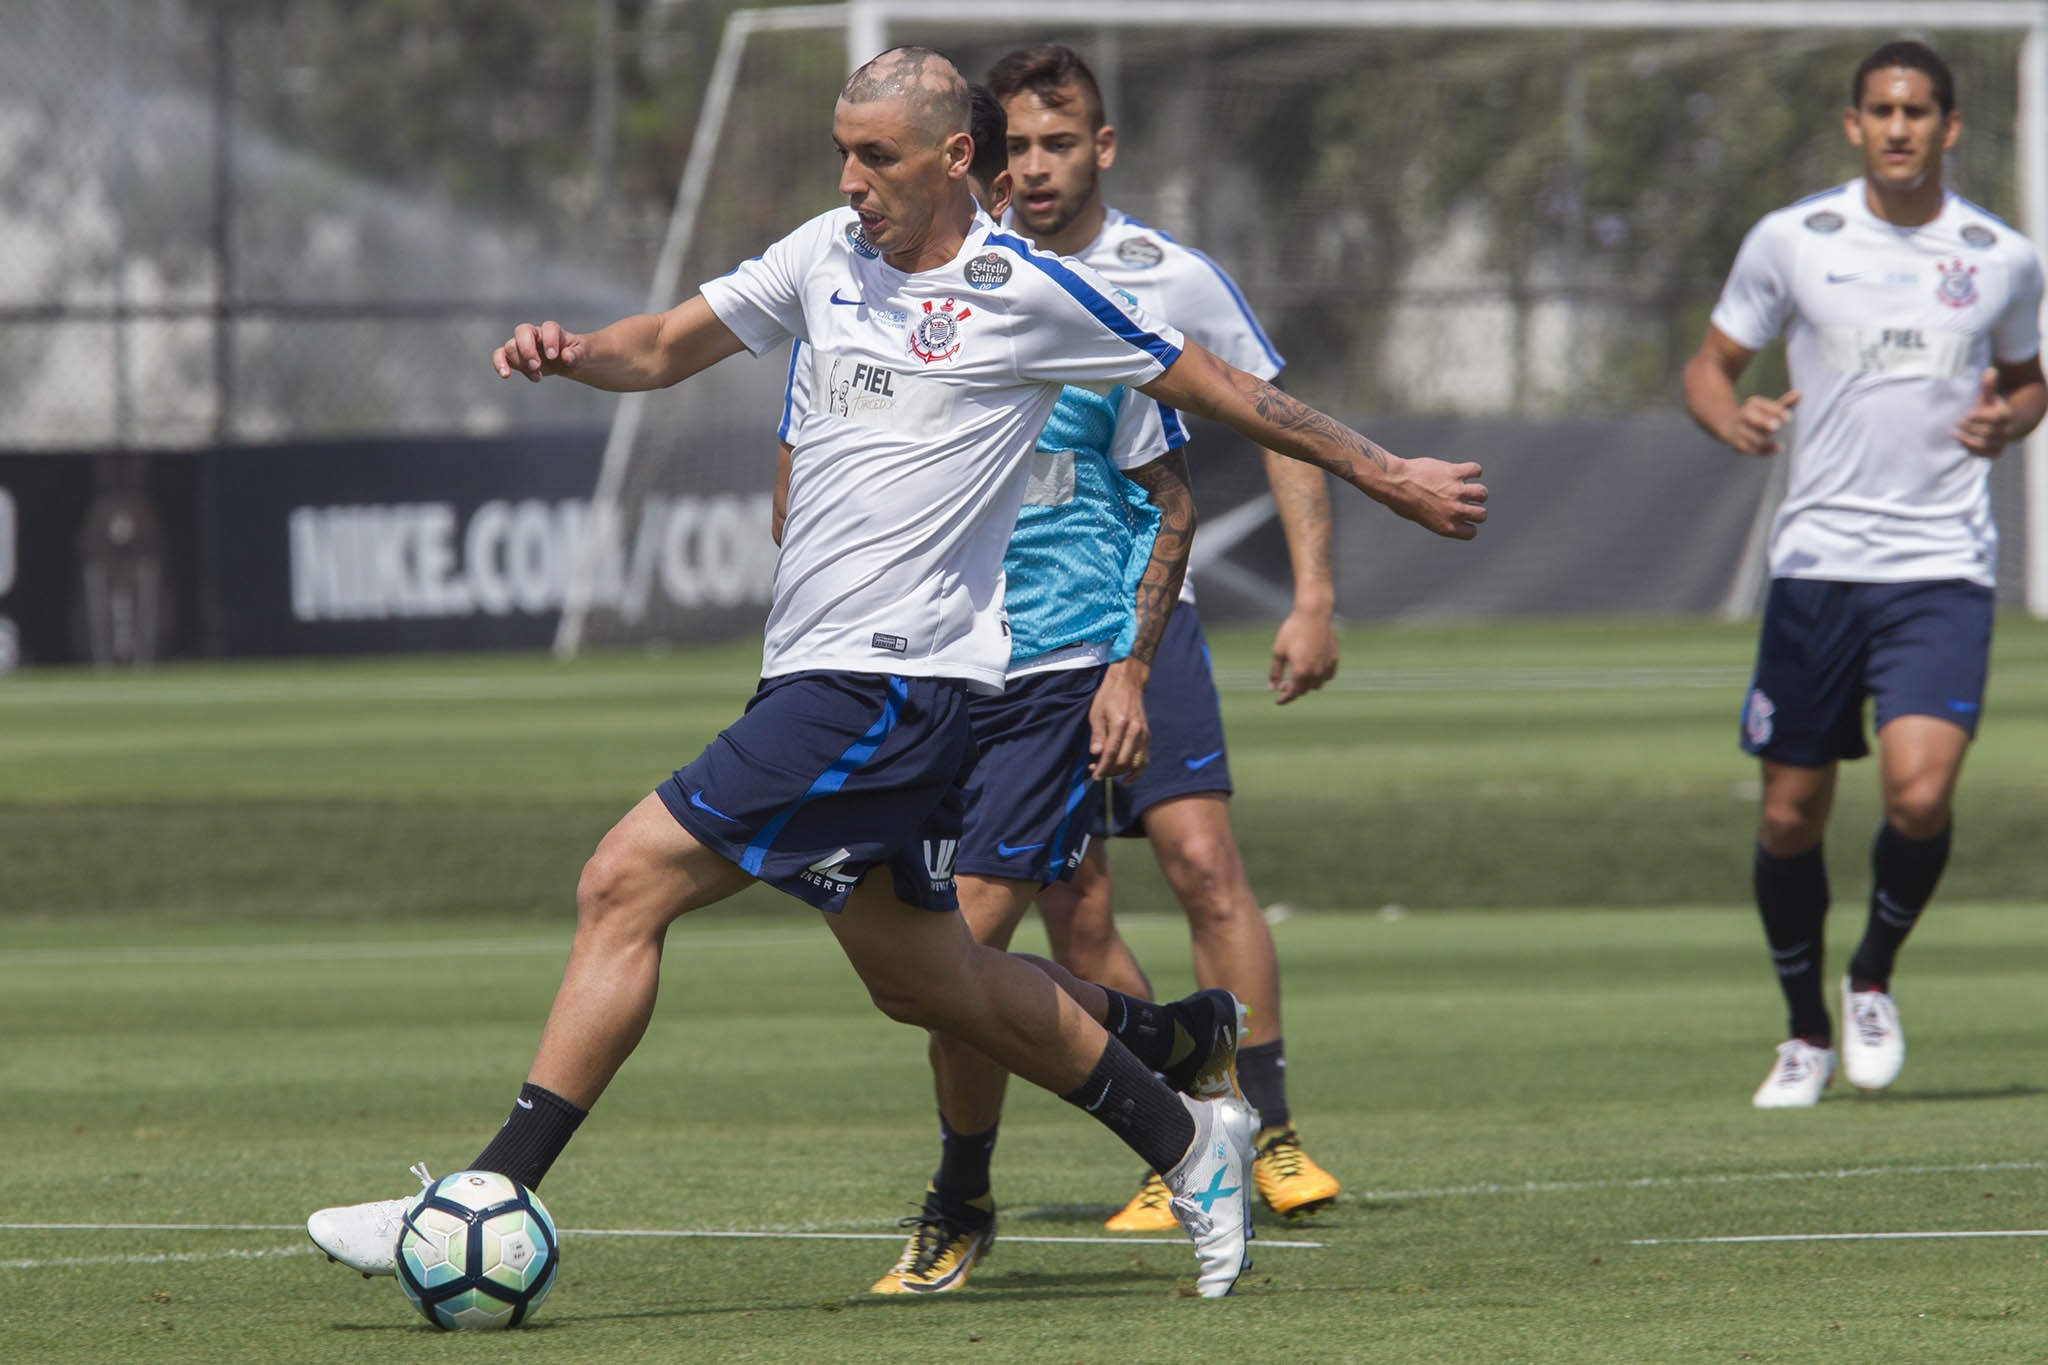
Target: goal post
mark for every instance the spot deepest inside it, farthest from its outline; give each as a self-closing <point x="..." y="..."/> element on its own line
<point x="1584" y="172"/>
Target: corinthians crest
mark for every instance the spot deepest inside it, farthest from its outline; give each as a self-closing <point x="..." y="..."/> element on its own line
<point x="936" y="335"/>
<point x="1958" y="287"/>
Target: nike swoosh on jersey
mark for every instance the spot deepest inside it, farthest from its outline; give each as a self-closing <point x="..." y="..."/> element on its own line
<point x="848" y="303"/>
<point x="697" y="800"/>
<point x="1004" y="850"/>
<point x="1197" y="764"/>
<point x="1833" y="278"/>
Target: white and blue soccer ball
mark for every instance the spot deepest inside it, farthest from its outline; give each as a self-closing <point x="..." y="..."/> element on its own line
<point x="477" y="1251"/>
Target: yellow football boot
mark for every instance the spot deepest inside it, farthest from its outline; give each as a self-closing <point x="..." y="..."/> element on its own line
<point x="1150" y="1210"/>
<point x="1290" y="1182"/>
<point x="942" y="1251"/>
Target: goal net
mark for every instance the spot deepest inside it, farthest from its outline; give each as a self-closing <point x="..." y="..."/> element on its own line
<point x="1482" y="230"/>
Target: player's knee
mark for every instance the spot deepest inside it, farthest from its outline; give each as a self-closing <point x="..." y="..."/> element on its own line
<point x="1787" y="828"/>
<point x="1208" y="877"/>
<point x="905" y="1003"/>
<point x="1919" y="809"/>
<point x="606" y="893"/>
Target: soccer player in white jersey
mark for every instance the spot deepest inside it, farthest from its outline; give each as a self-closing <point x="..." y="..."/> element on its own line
<point x="1060" y="144"/>
<point x="1089" y="581"/>
<point x="1912" y="331"/>
<point x="840" y="785"/>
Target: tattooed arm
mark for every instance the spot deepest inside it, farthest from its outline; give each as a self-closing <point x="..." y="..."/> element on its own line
<point x="1118" y="733"/>
<point x="1444" y="498"/>
<point x="1165" y="481"/>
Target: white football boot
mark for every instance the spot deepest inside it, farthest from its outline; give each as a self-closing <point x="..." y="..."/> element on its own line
<point x="364" y="1237"/>
<point x="1873" y="1045"/>
<point x="1212" y="1188"/>
<point x="1801" y="1072"/>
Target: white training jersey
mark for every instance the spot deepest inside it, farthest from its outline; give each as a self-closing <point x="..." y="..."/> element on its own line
<point x="1887" y="331"/>
<point x="911" y="464"/>
<point x="1062" y="477"/>
<point x="1180" y="284"/>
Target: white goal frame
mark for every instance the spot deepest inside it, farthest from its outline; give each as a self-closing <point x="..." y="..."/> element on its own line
<point x="868" y="25"/>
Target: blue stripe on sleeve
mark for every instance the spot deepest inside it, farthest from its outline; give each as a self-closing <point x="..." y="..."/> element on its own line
<point x="832" y="779"/>
<point x="789" y="390"/>
<point x="1176" y="430"/>
<point x="1107" y="313"/>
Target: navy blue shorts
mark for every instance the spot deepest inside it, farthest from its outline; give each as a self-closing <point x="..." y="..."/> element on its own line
<point x="830" y="774"/>
<point x="1030" y="805"/>
<point x="1916" y="649"/>
<point x="1186" y="717"/>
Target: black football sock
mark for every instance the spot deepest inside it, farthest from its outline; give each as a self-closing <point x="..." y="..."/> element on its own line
<point x="1792" y="897"/>
<point x="1143" y="1027"/>
<point x="1125" y="1097"/>
<point x="963" y="1162"/>
<point x="535" y="1132"/>
<point x="1262" y="1071"/>
<point x="1904" y="874"/>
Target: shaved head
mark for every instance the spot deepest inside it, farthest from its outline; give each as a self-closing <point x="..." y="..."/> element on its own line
<point x="932" y="89"/>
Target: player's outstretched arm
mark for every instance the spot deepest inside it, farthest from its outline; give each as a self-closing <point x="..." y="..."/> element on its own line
<point x="1445" y="498"/>
<point x="646" y="351"/>
<point x="1748" y="426"/>
<point x="1119" y="734"/>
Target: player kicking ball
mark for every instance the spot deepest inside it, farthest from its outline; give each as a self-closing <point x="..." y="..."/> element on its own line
<point x="1089" y="580"/>
<point x="841" y="784"/>
<point x="1912" y="332"/>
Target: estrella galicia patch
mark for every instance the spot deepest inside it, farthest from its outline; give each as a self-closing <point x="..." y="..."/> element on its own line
<point x="988" y="272"/>
<point x="1827" y="220"/>
<point x="1140" y="253"/>
<point x="858" y="240"/>
<point x="936" y="335"/>
<point x="1958" y="287"/>
<point x="1979" y="236"/>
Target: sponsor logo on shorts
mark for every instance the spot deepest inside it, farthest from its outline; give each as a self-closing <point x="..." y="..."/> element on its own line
<point x="830" y="872"/>
<point x="1074" y="858"/>
<point x="1009" y="850"/>
<point x="1826" y="221"/>
<point x="1958" y="287"/>
<point x="1757" y="718"/>
<point x="1196" y="765"/>
<point x="936" y="336"/>
<point x="988" y="272"/>
<point x="895" y="644"/>
<point x="938" y="862"/>
<point x="1979" y="236"/>
<point x="1140" y="253"/>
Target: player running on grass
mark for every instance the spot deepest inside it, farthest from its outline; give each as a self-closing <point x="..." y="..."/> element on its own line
<point x="1913" y="338"/>
<point x="841" y="784"/>
<point x="1060" y="144"/>
<point x="1091" y="574"/>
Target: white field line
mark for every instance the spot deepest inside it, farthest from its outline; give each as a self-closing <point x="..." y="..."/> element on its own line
<point x="157" y="1258"/>
<point x="1666" y="1182"/>
<point x="1834" y="1237"/>
<point x="721" y="1234"/>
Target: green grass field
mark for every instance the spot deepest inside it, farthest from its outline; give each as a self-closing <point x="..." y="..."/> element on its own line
<point x="269" y="933"/>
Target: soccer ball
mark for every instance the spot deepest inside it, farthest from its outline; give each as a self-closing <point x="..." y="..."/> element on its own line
<point x="478" y="1250"/>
